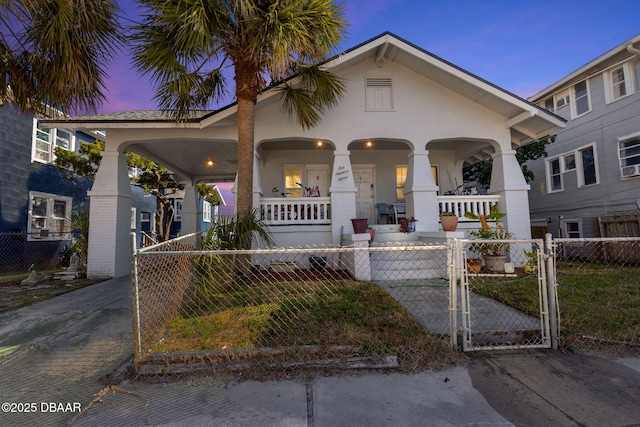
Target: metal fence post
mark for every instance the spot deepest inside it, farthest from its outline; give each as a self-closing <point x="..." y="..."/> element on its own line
<point x="551" y="289"/>
<point x="136" y="299"/>
<point x="454" y="272"/>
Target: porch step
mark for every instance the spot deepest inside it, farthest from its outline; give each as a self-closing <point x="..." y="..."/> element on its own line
<point x="389" y="233"/>
<point x="408" y="265"/>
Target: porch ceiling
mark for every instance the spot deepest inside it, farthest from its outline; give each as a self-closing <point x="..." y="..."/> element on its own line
<point x="190" y="159"/>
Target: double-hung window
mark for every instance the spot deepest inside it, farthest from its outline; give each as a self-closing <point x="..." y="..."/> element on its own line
<point x="45" y="141"/>
<point x="629" y="153"/>
<point x="48" y="216"/>
<point x="581" y="104"/>
<point x="572" y="229"/>
<point x="554" y="175"/>
<point x="587" y="166"/>
<point x="206" y="211"/>
<point x="619" y="82"/>
<point x="292" y="181"/>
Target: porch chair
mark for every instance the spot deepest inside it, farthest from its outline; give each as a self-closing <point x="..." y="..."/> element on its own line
<point x="386" y="210"/>
<point x="399" y="211"/>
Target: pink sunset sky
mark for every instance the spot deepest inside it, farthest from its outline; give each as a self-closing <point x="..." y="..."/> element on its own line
<point x="522" y="46"/>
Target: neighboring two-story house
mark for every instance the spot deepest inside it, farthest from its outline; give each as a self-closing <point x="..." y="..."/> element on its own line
<point x="589" y="184"/>
<point x="36" y="202"/>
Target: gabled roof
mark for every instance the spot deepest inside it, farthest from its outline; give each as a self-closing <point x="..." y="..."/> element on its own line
<point x="601" y="63"/>
<point x="527" y="120"/>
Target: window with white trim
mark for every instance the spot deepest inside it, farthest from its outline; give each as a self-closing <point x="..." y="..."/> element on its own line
<point x="45" y="141"/>
<point x="378" y="94"/>
<point x="587" y="166"/>
<point x="581" y="103"/>
<point x="554" y="175"/>
<point x="134" y="218"/>
<point x="562" y="99"/>
<point x="572" y="229"/>
<point x="292" y="179"/>
<point x="206" y="211"/>
<point x="401" y="180"/>
<point x="569" y="162"/>
<point x="48" y="216"/>
<point x="629" y="155"/>
<point x="177" y="209"/>
<point x="618" y="83"/>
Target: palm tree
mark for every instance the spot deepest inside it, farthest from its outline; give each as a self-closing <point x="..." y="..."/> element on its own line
<point x="55" y="52"/>
<point x="186" y="46"/>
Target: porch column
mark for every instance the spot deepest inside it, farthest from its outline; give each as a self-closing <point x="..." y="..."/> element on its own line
<point x="343" y="196"/>
<point x="508" y="182"/>
<point x="110" y="219"/>
<point x="191" y="210"/>
<point x="421" y="192"/>
<point x="257" y="183"/>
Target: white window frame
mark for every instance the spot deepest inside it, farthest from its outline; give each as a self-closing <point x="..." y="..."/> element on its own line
<point x="549" y="175"/>
<point x="37" y="151"/>
<point x="48" y="230"/>
<point x="561" y="100"/>
<point x="568" y="165"/>
<point x="580" y="165"/>
<point x="206" y="211"/>
<point x="150" y="218"/>
<point x="134" y="218"/>
<point x="574" y="100"/>
<point x="293" y="190"/>
<point x="177" y="209"/>
<point x="623" y="160"/>
<point x="609" y="92"/>
<point x="565" y="228"/>
<point x="378" y="93"/>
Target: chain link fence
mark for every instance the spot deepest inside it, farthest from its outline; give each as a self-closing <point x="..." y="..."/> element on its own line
<point x="598" y="287"/>
<point x="406" y="305"/>
<point x="21" y="252"/>
<point x="267" y="308"/>
<point x="504" y="296"/>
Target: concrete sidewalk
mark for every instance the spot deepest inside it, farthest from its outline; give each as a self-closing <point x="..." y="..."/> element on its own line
<point x="59" y="351"/>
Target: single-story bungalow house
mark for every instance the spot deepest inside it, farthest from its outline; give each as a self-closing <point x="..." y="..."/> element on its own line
<point x="409" y="123"/>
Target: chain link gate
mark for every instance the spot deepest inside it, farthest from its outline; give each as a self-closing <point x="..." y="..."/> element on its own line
<point x="489" y="292"/>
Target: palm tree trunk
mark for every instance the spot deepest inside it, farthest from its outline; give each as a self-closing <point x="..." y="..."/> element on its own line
<point x="246" y="93"/>
<point x="246" y="118"/>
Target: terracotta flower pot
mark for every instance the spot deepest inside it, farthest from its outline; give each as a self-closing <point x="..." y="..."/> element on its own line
<point x="449" y="223"/>
<point x="359" y="225"/>
<point x="474" y="265"/>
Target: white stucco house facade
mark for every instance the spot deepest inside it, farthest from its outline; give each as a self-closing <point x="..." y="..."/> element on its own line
<point x="408" y="124"/>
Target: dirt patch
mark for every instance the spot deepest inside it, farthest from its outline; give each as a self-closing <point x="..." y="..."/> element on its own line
<point x="14" y="295"/>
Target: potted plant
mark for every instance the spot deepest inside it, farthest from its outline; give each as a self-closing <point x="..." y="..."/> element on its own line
<point x="493" y="253"/>
<point x="449" y="221"/>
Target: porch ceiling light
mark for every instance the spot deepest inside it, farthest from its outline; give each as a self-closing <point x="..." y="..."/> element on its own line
<point x="369" y="144"/>
<point x="210" y="162"/>
<point x="319" y="144"/>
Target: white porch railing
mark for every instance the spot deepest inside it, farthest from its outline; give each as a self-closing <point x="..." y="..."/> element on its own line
<point x="478" y="205"/>
<point x="295" y="210"/>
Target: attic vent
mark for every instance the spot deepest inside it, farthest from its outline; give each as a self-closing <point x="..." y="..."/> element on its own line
<point x="378" y="94"/>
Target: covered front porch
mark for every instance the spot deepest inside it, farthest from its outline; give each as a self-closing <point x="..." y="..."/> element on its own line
<point x="381" y="180"/>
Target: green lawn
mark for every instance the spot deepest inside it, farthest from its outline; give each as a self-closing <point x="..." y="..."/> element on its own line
<point x="306" y="313"/>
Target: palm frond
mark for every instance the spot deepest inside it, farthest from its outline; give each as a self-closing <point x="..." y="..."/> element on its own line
<point x="311" y="94"/>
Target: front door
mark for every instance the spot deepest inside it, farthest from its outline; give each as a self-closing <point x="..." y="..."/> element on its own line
<point x="363" y="175"/>
<point x="318" y="175"/>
